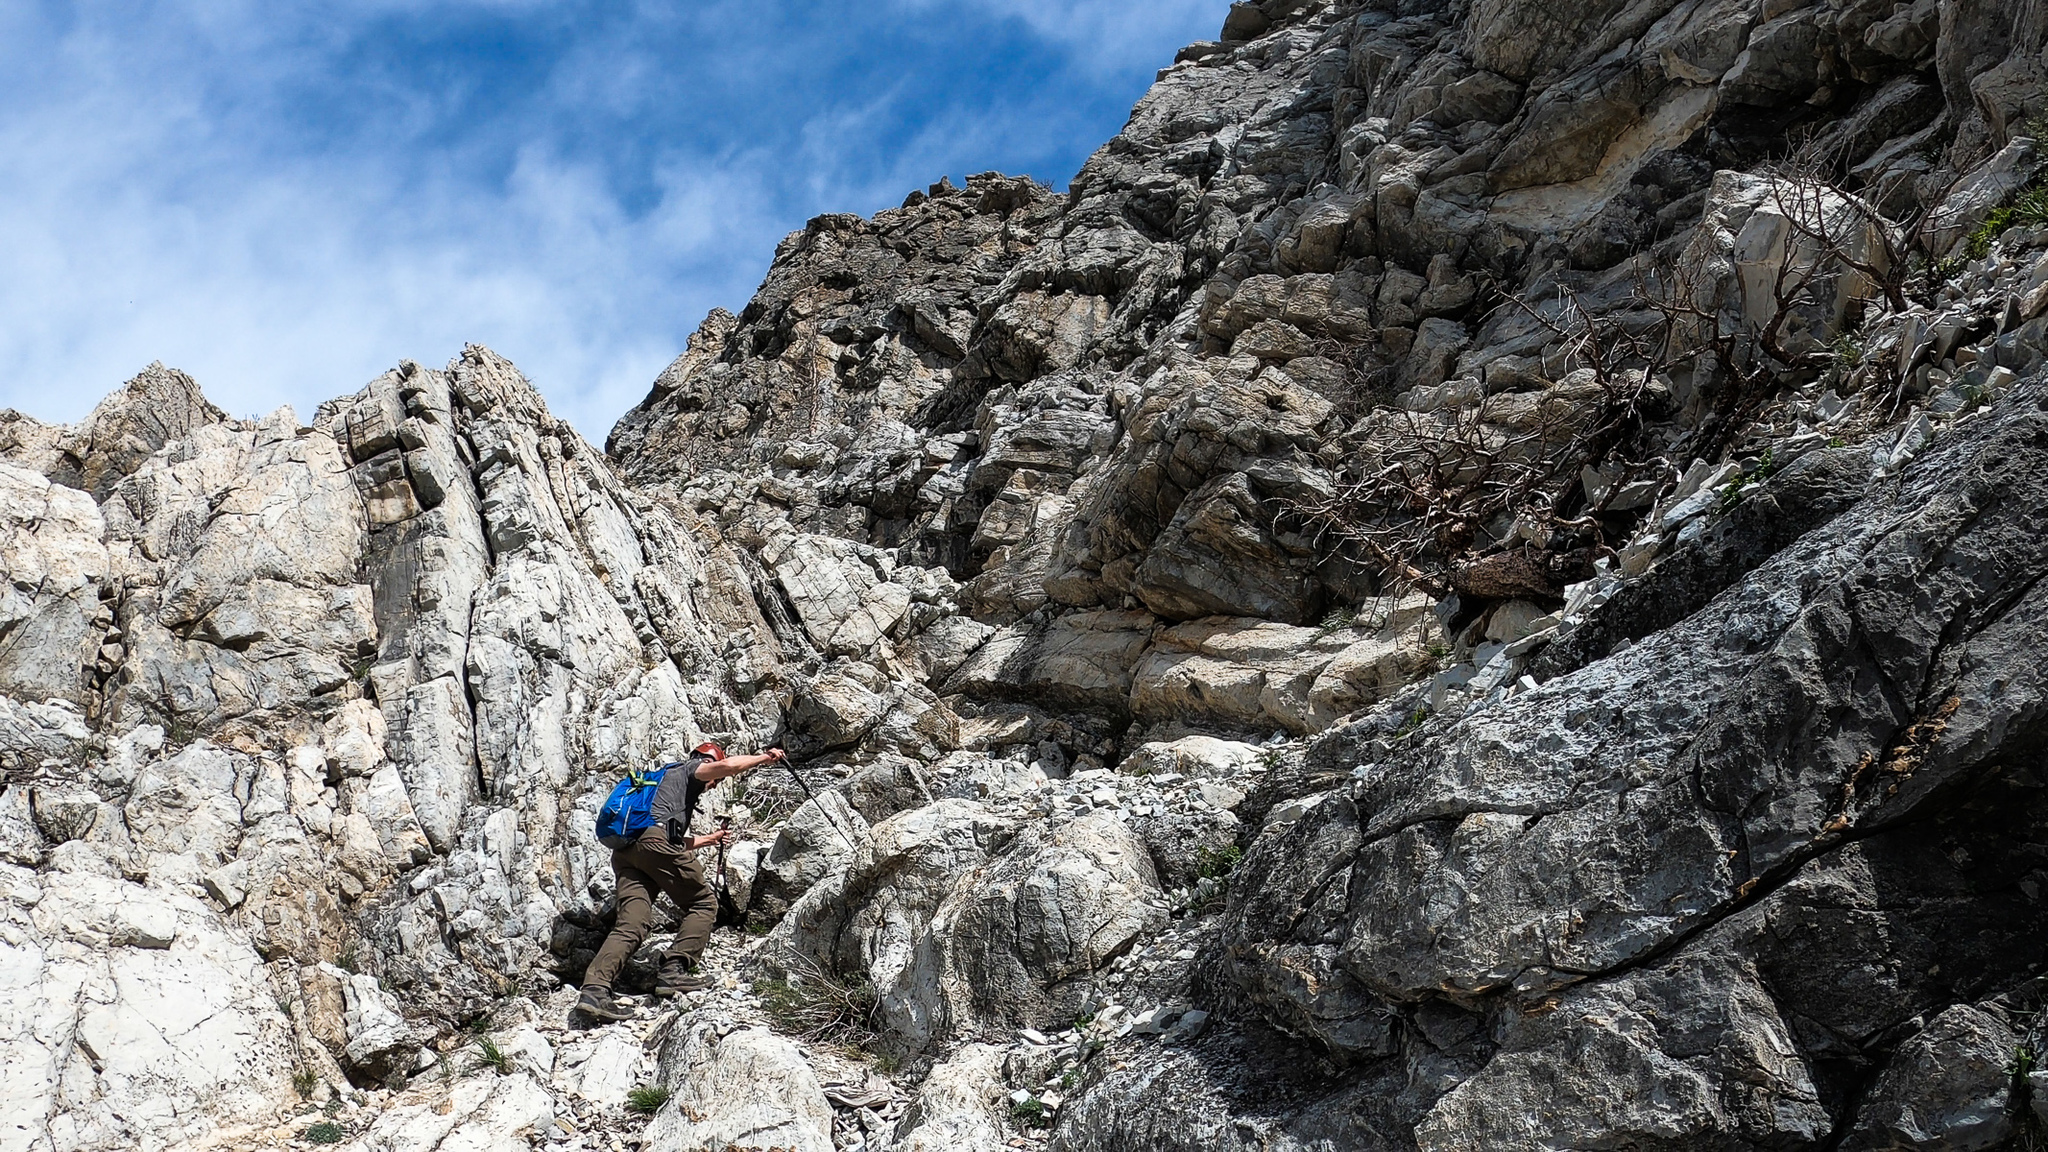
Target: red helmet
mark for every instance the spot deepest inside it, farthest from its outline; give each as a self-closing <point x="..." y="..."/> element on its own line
<point x="709" y="748"/>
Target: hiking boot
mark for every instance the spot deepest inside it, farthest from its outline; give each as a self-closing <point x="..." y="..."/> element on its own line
<point x="600" y="1004"/>
<point x="677" y="979"/>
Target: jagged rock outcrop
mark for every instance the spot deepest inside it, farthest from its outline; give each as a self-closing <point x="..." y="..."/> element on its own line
<point x="1471" y="583"/>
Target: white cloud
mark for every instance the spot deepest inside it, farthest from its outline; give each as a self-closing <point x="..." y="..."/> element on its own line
<point x="1111" y="34"/>
<point x="169" y="190"/>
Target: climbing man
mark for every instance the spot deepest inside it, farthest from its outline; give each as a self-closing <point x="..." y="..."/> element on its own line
<point x="663" y="859"/>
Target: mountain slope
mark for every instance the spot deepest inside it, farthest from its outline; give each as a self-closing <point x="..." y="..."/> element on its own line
<point x="1472" y="583"/>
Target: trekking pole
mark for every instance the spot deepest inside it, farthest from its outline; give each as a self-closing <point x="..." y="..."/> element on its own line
<point x="718" y="885"/>
<point x="813" y="798"/>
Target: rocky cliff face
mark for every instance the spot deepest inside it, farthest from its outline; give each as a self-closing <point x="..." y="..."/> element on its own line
<point x="1474" y="583"/>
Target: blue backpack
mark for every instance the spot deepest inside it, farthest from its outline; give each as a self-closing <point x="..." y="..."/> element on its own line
<point x="629" y="810"/>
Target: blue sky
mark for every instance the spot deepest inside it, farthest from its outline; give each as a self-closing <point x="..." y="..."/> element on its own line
<point x="285" y="197"/>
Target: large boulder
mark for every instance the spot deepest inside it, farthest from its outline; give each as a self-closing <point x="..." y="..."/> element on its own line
<point x="1777" y="253"/>
<point x="749" y="1088"/>
<point x="823" y="836"/>
<point x="960" y="1106"/>
<point x="132" y="1015"/>
<point x="874" y="920"/>
<point x="1261" y="676"/>
<point x="1017" y="943"/>
<point x="1949" y="1087"/>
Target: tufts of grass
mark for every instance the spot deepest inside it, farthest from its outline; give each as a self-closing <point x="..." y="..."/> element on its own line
<point x="647" y="1099"/>
<point x="1765" y="468"/>
<point x="304" y="1081"/>
<point x="2029" y="210"/>
<point x="326" y="1132"/>
<point x="814" y="1004"/>
<point x="489" y="1055"/>
<point x="1031" y="1113"/>
<point x="1849" y="350"/>
<point x="1218" y="864"/>
<point x="1338" y="620"/>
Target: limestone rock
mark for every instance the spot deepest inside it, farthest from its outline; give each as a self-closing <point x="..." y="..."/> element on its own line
<point x="1012" y="942"/>
<point x="52" y="547"/>
<point x="1761" y="233"/>
<point x="379" y="1039"/>
<point x="1201" y="756"/>
<point x="877" y="916"/>
<point x="1947" y="1087"/>
<point x="750" y="1085"/>
<point x="478" y="1113"/>
<point x="1990" y="186"/>
<point x="821" y="837"/>
<point x="960" y="1105"/>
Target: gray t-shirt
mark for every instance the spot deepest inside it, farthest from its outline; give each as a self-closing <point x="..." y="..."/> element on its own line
<point x="677" y="797"/>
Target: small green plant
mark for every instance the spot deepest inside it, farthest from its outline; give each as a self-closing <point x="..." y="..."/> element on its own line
<point x="489" y="1055"/>
<point x="1083" y="1020"/>
<point x="1413" y="724"/>
<point x="304" y="1081"/>
<point x="1031" y="1113"/>
<point x="332" y="1107"/>
<point x="2029" y="210"/>
<point x="1069" y="1078"/>
<point x="1219" y="863"/>
<point x="326" y="1132"/>
<point x="887" y="1063"/>
<point x="1270" y="759"/>
<point x="350" y="960"/>
<point x="1736" y="491"/>
<point x="1338" y="620"/>
<point x="648" y="1099"/>
<point x="1848" y="350"/>
<point x="1439" y="651"/>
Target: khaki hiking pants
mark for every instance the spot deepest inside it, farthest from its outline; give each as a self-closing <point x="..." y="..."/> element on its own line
<point x="654" y="865"/>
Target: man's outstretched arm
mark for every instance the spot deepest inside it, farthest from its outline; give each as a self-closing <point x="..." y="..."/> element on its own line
<point x="712" y="771"/>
